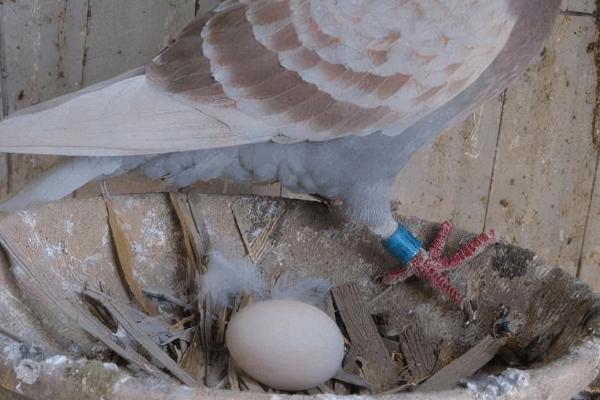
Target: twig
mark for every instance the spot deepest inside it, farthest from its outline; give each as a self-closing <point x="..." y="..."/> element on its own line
<point x="232" y="376"/>
<point x="179" y="324"/>
<point x="256" y="249"/>
<point x="380" y="295"/>
<point x="400" y="388"/>
<point x="377" y="365"/>
<point x="192" y="360"/>
<point x="191" y="238"/>
<point x="247" y="245"/>
<point x="249" y="383"/>
<point x="166" y="297"/>
<point x="125" y="257"/>
<point x="74" y="311"/>
<point x="120" y="315"/>
<point x="11" y="336"/>
<point x="351" y="379"/>
<point x="184" y="335"/>
<point x="418" y="353"/>
<point x="261" y="241"/>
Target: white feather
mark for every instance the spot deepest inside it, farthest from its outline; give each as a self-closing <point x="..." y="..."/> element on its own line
<point x="227" y="279"/>
<point x="309" y="290"/>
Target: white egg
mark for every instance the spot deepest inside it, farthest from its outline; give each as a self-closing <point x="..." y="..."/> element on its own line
<point x="287" y="345"/>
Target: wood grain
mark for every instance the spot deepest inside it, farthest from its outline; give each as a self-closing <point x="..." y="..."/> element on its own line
<point x="589" y="262"/>
<point x="3" y="104"/>
<point x="377" y="364"/>
<point x="204" y="6"/>
<point x="123" y="35"/>
<point x="450" y="179"/>
<point x="71" y="308"/>
<point x="43" y="45"/>
<point x="589" y="267"/>
<point x="559" y="94"/>
<point x="43" y="48"/>
<point x="418" y="353"/>
<point x="55" y="47"/>
<point x="464" y="366"/>
<point x="583" y="6"/>
<point x="545" y="160"/>
<point x="126" y="260"/>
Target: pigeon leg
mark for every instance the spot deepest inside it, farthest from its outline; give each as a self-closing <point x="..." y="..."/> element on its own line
<point x="429" y="265"/>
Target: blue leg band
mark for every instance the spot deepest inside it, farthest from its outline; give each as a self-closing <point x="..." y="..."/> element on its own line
<point x="402" y="245"/>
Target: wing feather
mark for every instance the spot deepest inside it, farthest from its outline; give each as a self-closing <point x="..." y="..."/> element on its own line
<point x="300" y="109"/>
<point x="294" y="70"/>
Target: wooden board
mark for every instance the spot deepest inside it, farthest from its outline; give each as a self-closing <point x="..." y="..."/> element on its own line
<point x="3" y="175"/>
<point x="3" y="109"/>
<point x="589" y="263"/>
<point x="125" y="35"/>
<point x="451" y="178"/>
<point x="463" y="367"/>
<point x="122" y="35"/>
<point x="43" y="46"/>
<point x="43" y="50"/>
<point x="589" y="266"/>
<point x="583" y="6"/>
<point x="204" y="6"/>
<point x="367" y="345"/>
<point x="545" y="161"/>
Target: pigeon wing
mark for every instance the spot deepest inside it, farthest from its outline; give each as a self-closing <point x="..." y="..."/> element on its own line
<point x="296" y="70"/>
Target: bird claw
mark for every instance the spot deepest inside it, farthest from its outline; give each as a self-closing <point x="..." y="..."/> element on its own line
<point x="440" y="240"/>
<point x="470" y="250"/>
<point x="429" y="265"/>
<point x="396" y="275"/>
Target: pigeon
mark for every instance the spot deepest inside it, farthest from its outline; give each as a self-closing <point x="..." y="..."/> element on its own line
<point x="328" y="97"/>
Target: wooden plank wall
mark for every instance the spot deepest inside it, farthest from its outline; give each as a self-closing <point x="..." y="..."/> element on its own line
<point x="589" y="263"/>
<point x="3" y="109"/>
<point x="52" y="47"/>
<point x="525" y="163"/>
<point x="43" y="53"/>
<point x="545" y="165"/>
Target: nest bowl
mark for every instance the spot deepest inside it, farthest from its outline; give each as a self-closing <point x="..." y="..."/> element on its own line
<point x="535" y="320"/>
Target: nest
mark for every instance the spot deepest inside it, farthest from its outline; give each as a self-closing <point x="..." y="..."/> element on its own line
<point x="111" y="285"/>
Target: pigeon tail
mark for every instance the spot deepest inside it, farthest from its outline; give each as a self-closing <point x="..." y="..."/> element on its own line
<point x="62" y="181"/>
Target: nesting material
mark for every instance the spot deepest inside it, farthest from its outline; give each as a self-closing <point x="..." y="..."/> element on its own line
<point x="298" y="251"/>
<point x="286" y="344"/>
<point x="369" y="350"/>
<point x="226" y="279"/>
